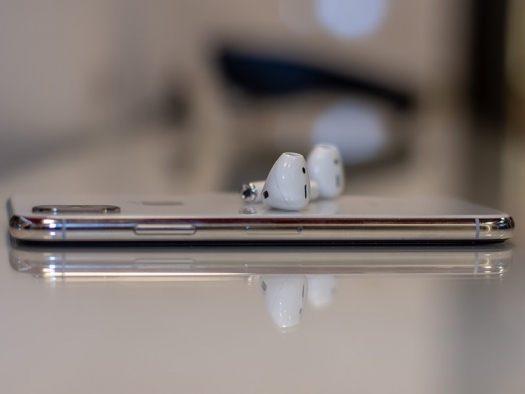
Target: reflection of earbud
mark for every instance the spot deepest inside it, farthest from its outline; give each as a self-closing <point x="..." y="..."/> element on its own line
<point x="321" y="290"/>
<point x="326" y="169"/>
<point x="285" y="298"/>
<point x="252" y="192"/>
<point x="288" y="184"/>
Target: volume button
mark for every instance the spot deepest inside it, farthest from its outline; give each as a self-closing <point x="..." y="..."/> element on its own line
<point x="165" y="229"/>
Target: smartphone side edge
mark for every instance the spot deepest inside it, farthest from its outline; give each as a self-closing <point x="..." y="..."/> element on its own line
<point x="501" y="228"/>
<point x="41" y="229"/>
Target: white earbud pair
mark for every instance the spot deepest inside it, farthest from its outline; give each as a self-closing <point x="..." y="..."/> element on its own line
<point x="293" y="182"/>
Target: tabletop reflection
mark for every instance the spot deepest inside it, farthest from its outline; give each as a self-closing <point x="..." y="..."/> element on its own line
<point x="292" y="280"/>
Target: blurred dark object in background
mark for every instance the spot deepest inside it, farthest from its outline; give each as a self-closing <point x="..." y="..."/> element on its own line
<point x="487" y="76"/>
<point x="487" y="97"/>
<point x="262" y="75"/>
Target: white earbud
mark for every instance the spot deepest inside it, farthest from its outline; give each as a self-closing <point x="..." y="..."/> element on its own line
<point x="314" y="190"/>
<point x="251" y="193"/>
<point x="326" y="169"/>
<point x="288" y="184"/>
<point x="285" y="298"/>
<point x="321" y="290"/>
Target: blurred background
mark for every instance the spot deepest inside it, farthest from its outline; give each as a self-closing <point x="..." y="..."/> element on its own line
<point x="172" y="96"/>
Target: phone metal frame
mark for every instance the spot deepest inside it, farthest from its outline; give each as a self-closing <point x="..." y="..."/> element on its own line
<point x="107" y="227"/>
<point x="260" y="229"/>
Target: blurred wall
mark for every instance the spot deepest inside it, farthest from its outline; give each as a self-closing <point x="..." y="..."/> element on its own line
<point x="58" y="58"/>
<point x="86" y="67"/>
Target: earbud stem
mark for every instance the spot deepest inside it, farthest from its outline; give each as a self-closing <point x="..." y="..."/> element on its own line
<point x="251" y="192"/>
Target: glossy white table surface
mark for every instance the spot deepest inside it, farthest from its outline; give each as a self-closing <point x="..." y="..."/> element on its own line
<point x="379" y="333"/>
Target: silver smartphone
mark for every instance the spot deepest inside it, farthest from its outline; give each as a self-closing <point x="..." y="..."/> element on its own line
<point x="224" y="218"/>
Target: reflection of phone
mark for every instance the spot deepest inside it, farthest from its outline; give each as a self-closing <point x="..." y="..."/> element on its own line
<point x="238" y="261"/>
<point x="224" y="218"/>
<point x="291" y="280"/>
